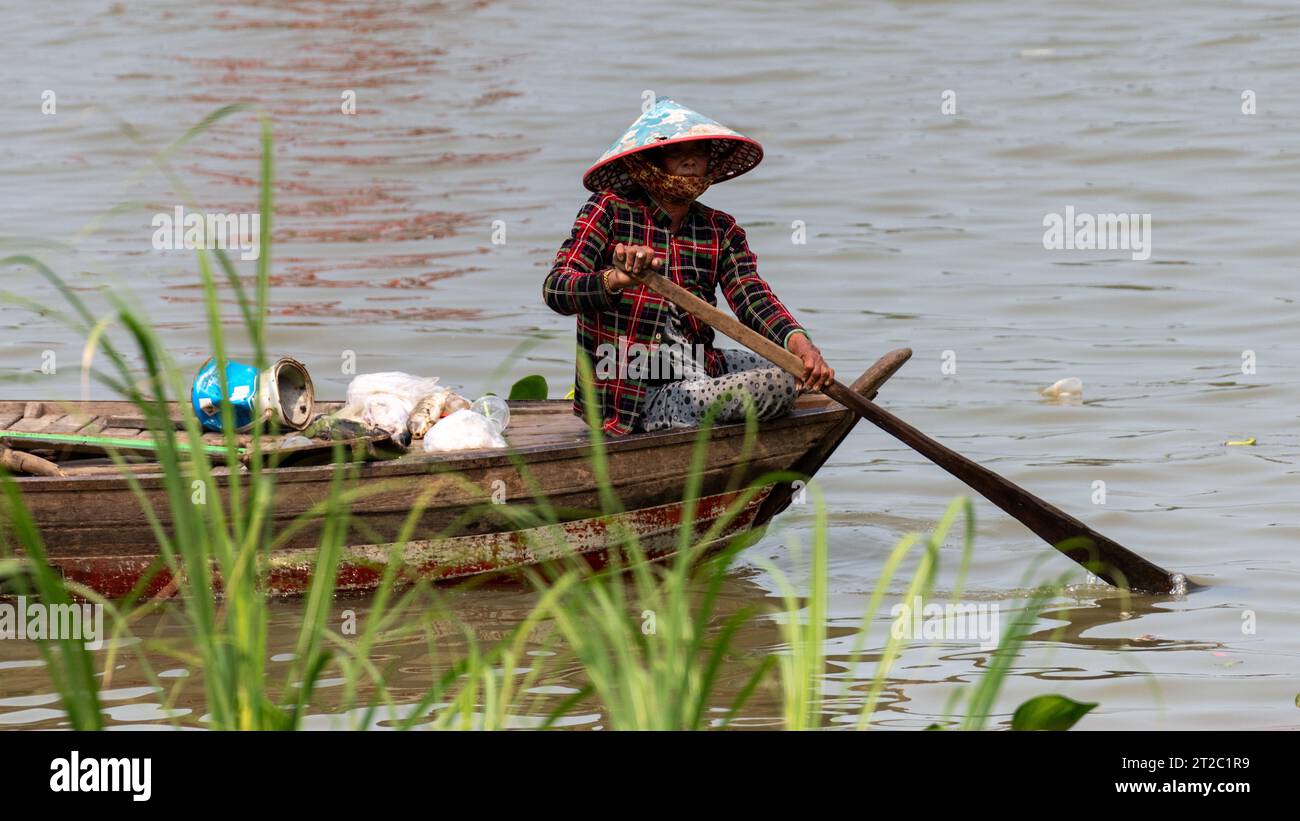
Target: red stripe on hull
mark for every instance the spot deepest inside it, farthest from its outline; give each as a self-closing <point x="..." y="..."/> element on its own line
<point x="361" y="567"/>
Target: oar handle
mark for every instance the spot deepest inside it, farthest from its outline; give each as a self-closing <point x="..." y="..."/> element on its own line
<point x="1103" y="556"/>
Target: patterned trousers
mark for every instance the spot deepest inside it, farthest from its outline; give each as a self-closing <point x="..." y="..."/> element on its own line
<point x="683" y="404"/>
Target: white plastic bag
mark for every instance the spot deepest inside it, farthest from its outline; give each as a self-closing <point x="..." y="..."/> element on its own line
<point x="385" y="400"/>
<point x="463" y="430"/>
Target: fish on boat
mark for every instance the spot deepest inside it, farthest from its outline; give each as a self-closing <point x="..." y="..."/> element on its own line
<point x="96" y="534"/>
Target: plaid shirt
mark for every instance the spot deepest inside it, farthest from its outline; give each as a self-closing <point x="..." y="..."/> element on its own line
<point x="708" y="251"/>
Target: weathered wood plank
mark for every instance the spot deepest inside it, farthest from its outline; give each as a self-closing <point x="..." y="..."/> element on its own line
<point x="525" y="438"/>
<point x="72" y="423"/>
<point x="138" y="421"/>
<point x="124" y="433"/>
<point x="35" y="425"/>
<point x="94" y="427"/>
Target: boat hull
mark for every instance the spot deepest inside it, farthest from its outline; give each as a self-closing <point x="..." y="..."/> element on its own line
<point x="466" y="513"/>
<point x="361" y="568"/>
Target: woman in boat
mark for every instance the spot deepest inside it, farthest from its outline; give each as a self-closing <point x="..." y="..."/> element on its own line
<point x="644" y="218"/>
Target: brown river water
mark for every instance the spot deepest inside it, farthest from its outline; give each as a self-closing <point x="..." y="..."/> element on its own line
<point x="924" y="228"/>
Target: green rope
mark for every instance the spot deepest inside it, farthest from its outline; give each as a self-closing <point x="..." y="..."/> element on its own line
<point x="103" y="441"/>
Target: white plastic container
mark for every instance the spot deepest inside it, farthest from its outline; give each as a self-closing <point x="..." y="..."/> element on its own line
<point x="494" y="409"/>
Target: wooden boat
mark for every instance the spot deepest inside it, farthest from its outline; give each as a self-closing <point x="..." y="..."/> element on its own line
<point x="96" y="534"/>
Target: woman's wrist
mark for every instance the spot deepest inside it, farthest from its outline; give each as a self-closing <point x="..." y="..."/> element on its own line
<point x="793" y="335"/>
<point x="604" y="280"/>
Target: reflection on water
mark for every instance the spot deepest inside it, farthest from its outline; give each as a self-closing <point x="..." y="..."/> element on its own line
<point x="915" y="695"/>
<point x="923" y="229"/>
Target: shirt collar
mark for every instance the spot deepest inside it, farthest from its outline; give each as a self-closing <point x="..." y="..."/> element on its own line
<point x="661" y="217"/>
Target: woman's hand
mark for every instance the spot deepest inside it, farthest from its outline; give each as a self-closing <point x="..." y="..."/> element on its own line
<point x="631" y="265"/>
<point x="817" y="374"/>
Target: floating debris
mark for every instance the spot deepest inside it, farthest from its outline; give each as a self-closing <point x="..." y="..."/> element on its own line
<point x="1069" y="388"/>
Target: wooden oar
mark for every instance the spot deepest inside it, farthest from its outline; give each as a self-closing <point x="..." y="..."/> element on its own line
<point x="1101" y="555"/>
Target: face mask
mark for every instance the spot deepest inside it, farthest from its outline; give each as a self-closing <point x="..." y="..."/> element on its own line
<point x="667" y="189"/>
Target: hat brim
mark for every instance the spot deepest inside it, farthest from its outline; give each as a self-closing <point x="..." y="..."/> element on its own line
<point x="731" y="155"/>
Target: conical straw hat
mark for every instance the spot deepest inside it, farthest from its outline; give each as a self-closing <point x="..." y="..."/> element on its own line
<point x="668" y="122"/>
